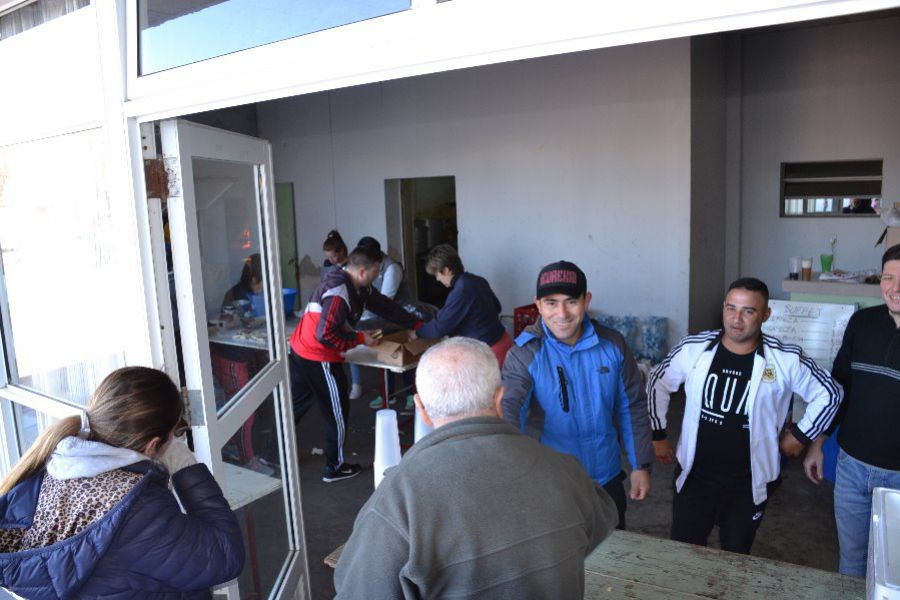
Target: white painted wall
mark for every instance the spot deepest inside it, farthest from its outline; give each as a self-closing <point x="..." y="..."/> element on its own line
<point x="584" y="157"/>
<point x="819" y="93"/>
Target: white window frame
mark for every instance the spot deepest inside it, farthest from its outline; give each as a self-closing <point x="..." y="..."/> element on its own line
<point x="121" y="164"/>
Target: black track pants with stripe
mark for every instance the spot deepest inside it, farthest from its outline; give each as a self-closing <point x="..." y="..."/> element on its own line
<point x="327" y="384"/>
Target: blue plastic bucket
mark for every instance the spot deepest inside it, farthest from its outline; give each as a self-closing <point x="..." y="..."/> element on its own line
<point x="290" y="297"/>
<point x="258" y="302"/>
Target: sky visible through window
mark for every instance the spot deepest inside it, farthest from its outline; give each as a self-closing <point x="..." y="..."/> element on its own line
<point x="236" y="25"/>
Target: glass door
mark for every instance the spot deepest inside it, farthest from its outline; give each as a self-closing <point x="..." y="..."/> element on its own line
<point x="231" y="315"/>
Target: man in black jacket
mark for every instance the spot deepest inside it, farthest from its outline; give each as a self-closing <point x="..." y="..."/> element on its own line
<point x="868" y="366"/>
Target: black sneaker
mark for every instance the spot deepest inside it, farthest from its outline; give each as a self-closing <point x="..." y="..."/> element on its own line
<point x="345" y="471"/>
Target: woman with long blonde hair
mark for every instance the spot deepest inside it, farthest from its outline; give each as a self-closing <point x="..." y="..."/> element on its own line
<point x="87" y="511"/>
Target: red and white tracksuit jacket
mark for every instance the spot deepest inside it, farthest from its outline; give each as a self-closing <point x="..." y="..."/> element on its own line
<point x="324" y="332"/>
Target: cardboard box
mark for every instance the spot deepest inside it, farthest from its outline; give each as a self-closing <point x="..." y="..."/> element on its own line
<point x="396" y="349"/>
<point x="892" y="238"/>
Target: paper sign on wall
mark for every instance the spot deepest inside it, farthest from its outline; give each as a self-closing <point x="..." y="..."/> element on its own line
<point x="816" y="327"/>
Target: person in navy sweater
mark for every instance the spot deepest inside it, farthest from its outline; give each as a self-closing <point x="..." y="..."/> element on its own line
<point x="471" y="310"/>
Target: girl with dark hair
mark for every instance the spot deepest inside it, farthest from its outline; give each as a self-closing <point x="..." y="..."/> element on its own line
<point x="335" y="252"/>
<point x="251" y="281"/>
<point x="87" y="512"/>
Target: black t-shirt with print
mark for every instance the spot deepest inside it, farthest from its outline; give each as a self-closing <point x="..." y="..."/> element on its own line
<point x="723" y="436"/>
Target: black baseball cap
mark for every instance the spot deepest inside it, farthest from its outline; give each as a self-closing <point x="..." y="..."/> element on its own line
<point x="561" y="277"/>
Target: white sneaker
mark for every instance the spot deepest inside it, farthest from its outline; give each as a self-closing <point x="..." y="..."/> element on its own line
<point x="356" y="391"/>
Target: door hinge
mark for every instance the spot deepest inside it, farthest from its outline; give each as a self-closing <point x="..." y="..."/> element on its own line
<point x="156" y="178"/>
<point x="193" y="407"/>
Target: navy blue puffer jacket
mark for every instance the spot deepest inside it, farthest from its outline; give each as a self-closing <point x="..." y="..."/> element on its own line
<point x="144" y="547"/>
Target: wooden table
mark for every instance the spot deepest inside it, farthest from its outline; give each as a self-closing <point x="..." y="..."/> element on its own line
<point x="634" y="565"/>
<point x="368" y="357"/>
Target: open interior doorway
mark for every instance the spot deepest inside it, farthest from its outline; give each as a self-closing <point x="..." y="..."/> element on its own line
<point x="421" y="213"/>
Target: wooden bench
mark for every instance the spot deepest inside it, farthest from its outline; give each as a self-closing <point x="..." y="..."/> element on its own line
<point x="633" y="565"/>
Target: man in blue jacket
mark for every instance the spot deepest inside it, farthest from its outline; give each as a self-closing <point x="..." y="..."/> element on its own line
<point x="575" y="385"/>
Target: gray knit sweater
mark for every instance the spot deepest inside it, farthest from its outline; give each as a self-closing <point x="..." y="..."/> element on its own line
<point x="476" y="510"/>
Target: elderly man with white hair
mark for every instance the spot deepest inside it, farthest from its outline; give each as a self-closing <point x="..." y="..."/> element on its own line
<point x="475" y="509"/>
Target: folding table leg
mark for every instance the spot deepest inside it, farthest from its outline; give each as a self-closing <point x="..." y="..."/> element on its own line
<point x="386" y="389"/>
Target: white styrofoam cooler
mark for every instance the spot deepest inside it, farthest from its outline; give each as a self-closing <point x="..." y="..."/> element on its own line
<point x="883" y="569"/>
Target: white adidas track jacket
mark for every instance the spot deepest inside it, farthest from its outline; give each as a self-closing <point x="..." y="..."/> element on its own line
<point x="778" y="371"/>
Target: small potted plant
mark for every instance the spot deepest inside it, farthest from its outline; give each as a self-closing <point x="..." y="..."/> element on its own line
<point x="828" y="259"/>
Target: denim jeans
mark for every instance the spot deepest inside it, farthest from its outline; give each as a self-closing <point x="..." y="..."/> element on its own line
<point x="853" y="508"/>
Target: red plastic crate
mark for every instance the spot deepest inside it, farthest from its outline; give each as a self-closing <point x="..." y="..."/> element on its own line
<point x="523" y="316"/>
